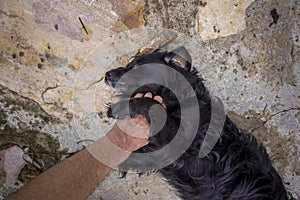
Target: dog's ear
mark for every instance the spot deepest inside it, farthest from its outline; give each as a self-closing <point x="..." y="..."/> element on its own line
<point x="179" y="57"/>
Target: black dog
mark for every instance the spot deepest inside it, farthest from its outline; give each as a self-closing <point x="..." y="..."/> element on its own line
<point x="237" y="167"/>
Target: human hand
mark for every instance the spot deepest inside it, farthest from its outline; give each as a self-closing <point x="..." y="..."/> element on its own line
<point x="126" y="136"/>
<point x="132" y="133"/>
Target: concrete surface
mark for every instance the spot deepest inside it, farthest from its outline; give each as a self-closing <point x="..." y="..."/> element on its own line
<point x="52" y="66"/>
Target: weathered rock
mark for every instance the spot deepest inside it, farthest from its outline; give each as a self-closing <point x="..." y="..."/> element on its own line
<point x="222" y="18"/>
<point x="45" y="46"/>
<point x="53" y="56"/>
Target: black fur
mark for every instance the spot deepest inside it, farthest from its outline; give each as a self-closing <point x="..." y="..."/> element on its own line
<point x="237" y="167"/>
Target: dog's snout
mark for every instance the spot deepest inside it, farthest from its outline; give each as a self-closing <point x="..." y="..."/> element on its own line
<point x="114" y="75"/>
<point x="110" y="76"/>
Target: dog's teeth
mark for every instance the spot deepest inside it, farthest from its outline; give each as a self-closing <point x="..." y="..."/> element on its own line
<point x="107" y="105"/>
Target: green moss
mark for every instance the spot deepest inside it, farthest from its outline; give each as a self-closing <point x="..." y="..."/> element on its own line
<point x="42" y="146"/>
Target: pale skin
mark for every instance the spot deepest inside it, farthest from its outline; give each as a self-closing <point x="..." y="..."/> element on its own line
<point x="75" y="177"/>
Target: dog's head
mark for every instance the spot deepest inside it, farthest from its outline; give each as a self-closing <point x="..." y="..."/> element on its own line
<point x="169" y="75"/>
<point x="155" y="68"/>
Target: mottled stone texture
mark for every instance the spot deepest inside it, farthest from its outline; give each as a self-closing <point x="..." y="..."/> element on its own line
<point x="53" y="55"/>
<point x="222" y="18"/>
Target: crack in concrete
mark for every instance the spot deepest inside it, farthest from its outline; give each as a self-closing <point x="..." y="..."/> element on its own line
<point x="90" y="85"/>
<point x="283" y="111"/>
<point x="264" y="122"/>
<point x="46" y="90"/>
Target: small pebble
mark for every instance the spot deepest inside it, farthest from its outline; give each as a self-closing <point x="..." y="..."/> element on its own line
<point x="40" y="65"/>
<point x="56" y="26"/>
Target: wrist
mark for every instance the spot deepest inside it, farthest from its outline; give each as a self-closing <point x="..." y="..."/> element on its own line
<point x="107" y="150"/>
<point x="117" y="137"/>
<point x="126" y="136"/>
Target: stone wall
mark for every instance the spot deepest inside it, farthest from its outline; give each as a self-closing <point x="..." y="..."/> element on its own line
<point x="53" y="56"/>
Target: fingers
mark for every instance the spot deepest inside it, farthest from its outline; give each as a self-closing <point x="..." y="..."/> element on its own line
<point x="149" y="95"/>
<point x="139" y="95"/>
<point x="158" y="98"/>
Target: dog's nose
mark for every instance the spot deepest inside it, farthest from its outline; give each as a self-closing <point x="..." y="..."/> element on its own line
<point x="110" y="75"/>
<point x="114" y="75"/>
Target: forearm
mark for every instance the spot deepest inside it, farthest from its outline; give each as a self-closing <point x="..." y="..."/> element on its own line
<point x="73" y="178"/>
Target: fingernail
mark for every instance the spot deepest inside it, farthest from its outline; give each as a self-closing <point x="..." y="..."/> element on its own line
<point x="148" y="94"/>
<point x="138" y="95"/>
